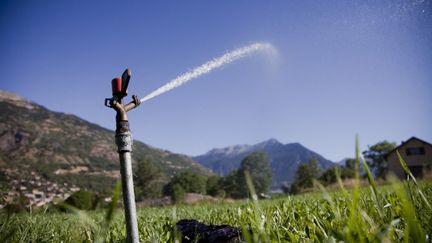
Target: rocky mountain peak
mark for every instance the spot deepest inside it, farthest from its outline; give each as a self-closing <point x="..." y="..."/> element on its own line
<point x="284" y="159"/>
<point x="230" y="150"/>
<point x="268" y="143"/>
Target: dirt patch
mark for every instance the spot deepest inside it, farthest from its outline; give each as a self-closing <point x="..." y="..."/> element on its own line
<point x="74" y="170"/>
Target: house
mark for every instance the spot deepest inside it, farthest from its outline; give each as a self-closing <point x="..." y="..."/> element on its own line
<point x="416" y="153"/>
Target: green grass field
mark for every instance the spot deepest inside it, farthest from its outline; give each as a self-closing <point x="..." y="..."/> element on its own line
<point x="400" y="211"/>
<point x="397" y="213"/>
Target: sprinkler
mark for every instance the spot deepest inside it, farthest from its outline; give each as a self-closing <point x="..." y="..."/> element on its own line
<point x="123" y="139"/>
<point x="123" y="135"/>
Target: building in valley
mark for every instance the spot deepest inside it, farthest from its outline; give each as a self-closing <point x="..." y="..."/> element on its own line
<point x="416" y="153"/>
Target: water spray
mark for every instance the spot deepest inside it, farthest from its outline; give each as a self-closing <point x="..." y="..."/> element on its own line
<point x="123" y="136"/>
<point x="208" y="67"/>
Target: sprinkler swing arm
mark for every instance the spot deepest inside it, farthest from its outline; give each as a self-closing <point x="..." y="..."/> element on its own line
<point x="121" y="109"/>
<point x="123" y="139"/>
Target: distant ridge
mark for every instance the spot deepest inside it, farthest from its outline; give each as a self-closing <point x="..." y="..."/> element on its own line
<point x="37" y="144"/>
<point x="284" y="159"/>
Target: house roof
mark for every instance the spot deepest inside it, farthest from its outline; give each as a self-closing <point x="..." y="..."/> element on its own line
<point x="403" y="143"/>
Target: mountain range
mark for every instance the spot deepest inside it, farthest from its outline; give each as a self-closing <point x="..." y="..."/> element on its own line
<point x="284" y="159"/>
<point x="40" y="148"/>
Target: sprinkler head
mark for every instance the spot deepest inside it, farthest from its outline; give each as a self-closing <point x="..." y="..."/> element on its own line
<point x="120" y="85"/>
<point x="119" y="91"/>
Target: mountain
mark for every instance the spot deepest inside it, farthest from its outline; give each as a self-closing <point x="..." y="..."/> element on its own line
<point x="284" y="159"/>
<point x="42" y="149"/>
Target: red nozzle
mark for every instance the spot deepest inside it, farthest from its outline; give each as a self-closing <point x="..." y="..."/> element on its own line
<point x="116" y="85"/>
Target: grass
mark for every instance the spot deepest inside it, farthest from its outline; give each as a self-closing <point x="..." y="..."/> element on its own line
<point x="329" y="217"/>
<point x="398" y="212"/>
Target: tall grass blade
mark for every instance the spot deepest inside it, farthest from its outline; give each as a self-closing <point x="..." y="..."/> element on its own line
<point x="113" y="204"/>
<point x="413" y="231"/>
<point x="372" y="183"/>
<point x="110" y="213"/>
<point x="340" y="183"/>
<point x="408" y="172"/>
<point x="250" y="186"/>
<point x="354" y="222"/>
<point x="405" y="167"/>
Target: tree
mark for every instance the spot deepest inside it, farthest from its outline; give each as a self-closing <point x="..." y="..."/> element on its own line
<point x="214" y="186"/>
<point x="294" y="189"/>
<point x="375" y="156"/>
<point x="350" y="163"/>
<point x="330" y="175"/>
<point x="189" y="181"/>
<point x="146" y="179"/>
<point x="178" y="193"/>
<point x="305" y="175"/>
<point x="230" y="184"/>
<point x="81" y="199"/>
<point x="285" y="187"/>
<point x="258" y="167"/>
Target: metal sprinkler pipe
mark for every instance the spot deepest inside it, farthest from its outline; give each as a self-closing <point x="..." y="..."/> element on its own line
<point x="123" y="139"/>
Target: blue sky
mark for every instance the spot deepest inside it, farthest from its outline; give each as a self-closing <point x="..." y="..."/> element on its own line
<point x="343" y="68"/>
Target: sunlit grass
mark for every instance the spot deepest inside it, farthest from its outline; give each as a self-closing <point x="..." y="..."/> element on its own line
<point x="396" y="212"/>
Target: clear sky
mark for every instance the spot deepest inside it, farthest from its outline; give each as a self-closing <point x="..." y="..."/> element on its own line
<point x="343" y="68"/>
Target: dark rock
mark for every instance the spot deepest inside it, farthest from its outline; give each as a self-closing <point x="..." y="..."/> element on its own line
<point x="18" y="137"/>
<point x="194" y="231"/>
